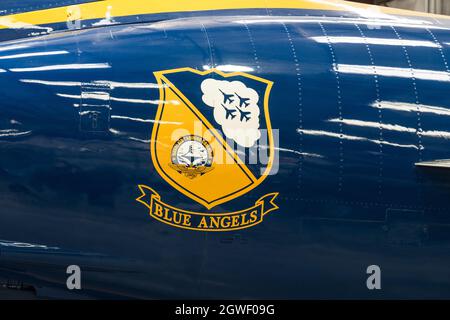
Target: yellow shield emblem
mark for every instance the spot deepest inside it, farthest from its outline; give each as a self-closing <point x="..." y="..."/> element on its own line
<point x="192" y="150"/>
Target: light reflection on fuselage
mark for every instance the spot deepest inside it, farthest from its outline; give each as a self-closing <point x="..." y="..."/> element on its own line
<point x="416" y="24"/>
<point x="396" y="72"/>
<point x="375" y="41"/>
<point x="352" y="138"/>
<point x="392" y="127"/>
<point x="75" y="66"/>
<point x="112" y="84"/>
<point x="34" y="54"/>
<point x="410" y="107"/>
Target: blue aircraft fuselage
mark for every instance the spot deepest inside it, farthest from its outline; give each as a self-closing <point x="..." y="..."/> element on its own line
<point x="356" y="102"/>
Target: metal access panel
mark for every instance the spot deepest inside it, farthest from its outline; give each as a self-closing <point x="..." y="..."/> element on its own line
<point x="95" y="109"/>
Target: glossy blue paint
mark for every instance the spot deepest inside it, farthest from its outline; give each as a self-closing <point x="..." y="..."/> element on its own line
<point x="355" y="113"/>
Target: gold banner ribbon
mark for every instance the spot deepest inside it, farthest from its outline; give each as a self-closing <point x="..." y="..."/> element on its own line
<point x="185" y="219"/>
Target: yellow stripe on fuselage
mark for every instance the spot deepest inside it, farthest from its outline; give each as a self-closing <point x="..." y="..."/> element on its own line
<point x="120" y="8"/>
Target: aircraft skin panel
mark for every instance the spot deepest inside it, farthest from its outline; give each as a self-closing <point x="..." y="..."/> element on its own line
<point x="357" y="103"/>
<point x="98" y="9"/>
<point x="98" y="13"/>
